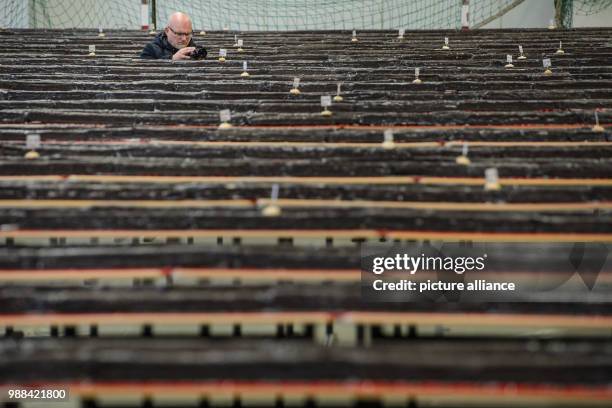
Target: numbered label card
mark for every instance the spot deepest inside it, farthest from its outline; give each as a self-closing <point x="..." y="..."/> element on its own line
<point x="354" y="33"/>
<point x="223" y="52"/>
<point x="521" y="49"/>
<point x="296" y="82"/>
<point x="92" y="49"/>
<point x="509" y="58"/>
<point x="326" y="101"/>
<point x="446" y="41"/>
<point x="339" y="87"/>
<point x="240" y="42"/>
<point x="244" y="65"/>
<point x="225" y="115"/>
<point x="401" y="32"/>
<point x="388" y="135"/>
<point x="546" y="63"/>
<point x="417" y="72"/>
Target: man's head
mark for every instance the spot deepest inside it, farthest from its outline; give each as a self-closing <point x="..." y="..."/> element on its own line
<point x="179" y="30"/>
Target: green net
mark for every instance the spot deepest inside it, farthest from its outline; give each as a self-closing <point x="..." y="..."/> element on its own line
<point x="14" y="13"/>
<point x="564" y="13"/>
<point x="117" y="14"/>
<point x="279" y="15"/>
<point x="270" y="15"/>
<point x="315" y="15"/>
<point x="588" y="7"/>
<point x="264" y="15"/>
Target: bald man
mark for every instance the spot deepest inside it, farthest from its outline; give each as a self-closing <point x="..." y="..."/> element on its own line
<point x="174" y="42"/>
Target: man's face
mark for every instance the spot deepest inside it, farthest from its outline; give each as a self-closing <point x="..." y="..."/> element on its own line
<point x="179" y="34"/>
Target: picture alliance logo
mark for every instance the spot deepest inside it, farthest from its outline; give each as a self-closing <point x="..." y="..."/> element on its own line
<point x="412" y="264"/>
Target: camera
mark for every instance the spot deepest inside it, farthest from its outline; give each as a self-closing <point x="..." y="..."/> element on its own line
<point x="199" y="53"/>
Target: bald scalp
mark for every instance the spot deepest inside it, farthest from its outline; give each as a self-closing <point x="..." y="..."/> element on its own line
<point x="178" y="20"/>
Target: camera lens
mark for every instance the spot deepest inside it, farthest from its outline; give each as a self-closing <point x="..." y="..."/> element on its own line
<point x="199" y="53"/>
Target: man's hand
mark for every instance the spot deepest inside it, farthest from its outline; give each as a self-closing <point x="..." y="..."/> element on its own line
<point x="183" y="53"/>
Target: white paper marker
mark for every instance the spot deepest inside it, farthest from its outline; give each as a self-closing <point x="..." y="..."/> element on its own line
<point x="272" y="209"/>
<point x="597" y="127"/>
<point x="446" y="42"/>
<point x="225" y="115"/>
<point x="326" y="102"/>
<point x="388" y="135"/>
<point x="388" y="142"/>
<point x="338" y="97"/>
<point x="32" y="142"/>
<point x="463" y="159"/>
<point x="417" y="72"/>
<point x="492" y="179"/>
<point x="296" y="84"/>
<point x="245" y="69"/>
<point x="274" y="193"/>
<point x="222" y="54"/>
<point x="560" y="50"/>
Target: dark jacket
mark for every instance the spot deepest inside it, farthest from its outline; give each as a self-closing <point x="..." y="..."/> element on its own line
<point x="160" y="48"/>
